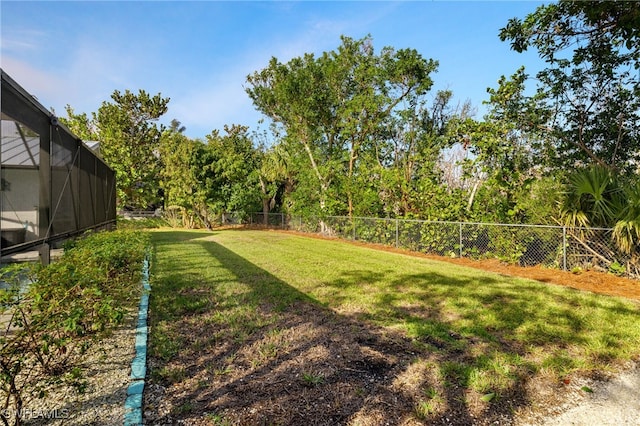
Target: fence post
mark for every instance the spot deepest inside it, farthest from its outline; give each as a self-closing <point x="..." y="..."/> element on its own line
<point x="353" y="222"/>
<point x="282" y="220"/>
<point x="564" y="248"/>
<point x="45" y="254"/>
<point x="397" y="234"/>
<point x="460" y="235"/>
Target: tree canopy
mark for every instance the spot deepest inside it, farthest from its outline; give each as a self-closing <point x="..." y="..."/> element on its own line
<point x="591" y="86"/>
<point x="130" y="141"/>
<point x="335" y="106"/>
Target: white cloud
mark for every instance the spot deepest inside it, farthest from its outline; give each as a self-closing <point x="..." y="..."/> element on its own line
<point x="85" y="76"/>
<point x="44" y="86"/>
<point x="17" y="40"/>
<point x="84" y="72"/>
<point x="221" y="99"/>
<point x="323" y="34"/>
<point x="213" y="102"/>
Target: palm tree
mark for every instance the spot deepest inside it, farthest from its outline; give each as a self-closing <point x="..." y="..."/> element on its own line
<point x="595" y="197"/>
<point x="626" y="231"/>
<point x="176" y="126"/>
<point x="274" y="172"/>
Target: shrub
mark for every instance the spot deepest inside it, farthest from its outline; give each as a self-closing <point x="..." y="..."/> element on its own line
<point x="50" y="322"/>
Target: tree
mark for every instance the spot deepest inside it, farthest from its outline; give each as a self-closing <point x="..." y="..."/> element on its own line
<point x="333" y="107"/>
<point x="593" y="198"/>
<point x="178" y="176"/>
<point x="130" y="142"/>
<point x="227" y="171"/>
<point x="80" y="124"/>
<point x="592" y="83"/>
<point x="596" y="197"/>
<point x="296" y="96"/>
<point x="506" y="150"/>
<point x="380" y="86"/>
<point x="411" y="157"/>
<point x="273" y="176"/>
<point x="626" y="231"/>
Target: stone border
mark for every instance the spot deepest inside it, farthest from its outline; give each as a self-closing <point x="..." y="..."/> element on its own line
<point x="133" y="404"/>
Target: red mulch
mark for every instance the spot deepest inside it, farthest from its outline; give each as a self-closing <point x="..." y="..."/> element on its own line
<point x="593" y="281"/>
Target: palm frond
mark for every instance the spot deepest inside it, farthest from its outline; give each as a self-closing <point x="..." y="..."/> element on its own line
<point x="626" y="232"/>
<point x="593" y="197"/>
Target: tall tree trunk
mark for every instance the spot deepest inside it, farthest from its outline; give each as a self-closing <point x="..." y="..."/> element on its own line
<point x="265" y="210"/>
<point x="473" y="195"/>
<point x="323" y="182"/>
<point x="350" y="187"/>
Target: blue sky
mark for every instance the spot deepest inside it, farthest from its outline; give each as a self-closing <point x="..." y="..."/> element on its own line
<point x="199" y="53"/>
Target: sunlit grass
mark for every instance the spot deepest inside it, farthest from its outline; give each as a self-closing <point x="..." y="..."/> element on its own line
<point x="508" y="328"/>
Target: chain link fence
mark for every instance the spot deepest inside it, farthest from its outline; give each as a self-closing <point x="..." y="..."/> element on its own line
<point x="525" y="245"/>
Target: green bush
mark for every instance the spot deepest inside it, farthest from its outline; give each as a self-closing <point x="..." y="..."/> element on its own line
<point x="51" y="322"/>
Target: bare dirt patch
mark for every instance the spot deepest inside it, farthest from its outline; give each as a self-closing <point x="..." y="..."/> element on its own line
<point x="316" y="367"/>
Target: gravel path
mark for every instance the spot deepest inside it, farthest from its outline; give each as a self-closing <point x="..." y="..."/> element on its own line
<point x="614" y="402"/>
<point x="106" y="368"/>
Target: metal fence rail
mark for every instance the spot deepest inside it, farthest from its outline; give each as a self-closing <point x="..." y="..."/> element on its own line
<point x="526" y="245"/>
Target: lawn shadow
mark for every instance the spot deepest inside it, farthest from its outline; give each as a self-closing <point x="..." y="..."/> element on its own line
<point x="481" y="332"/>
<point x="457" y="347"/>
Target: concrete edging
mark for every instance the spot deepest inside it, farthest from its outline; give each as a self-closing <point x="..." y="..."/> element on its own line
<point x="133" y="404"/>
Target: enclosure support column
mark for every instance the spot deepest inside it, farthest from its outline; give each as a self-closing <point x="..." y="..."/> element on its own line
<point x="46" y="191"/>
<point x="564" y="248"/>
<point x="45" y="254"/>
<point x="460" y="236"/>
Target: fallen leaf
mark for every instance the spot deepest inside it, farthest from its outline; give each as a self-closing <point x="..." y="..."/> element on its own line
<point x="488" y="397"/>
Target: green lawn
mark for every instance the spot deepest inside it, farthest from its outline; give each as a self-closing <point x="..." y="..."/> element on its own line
<point x="490" y="333"/>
